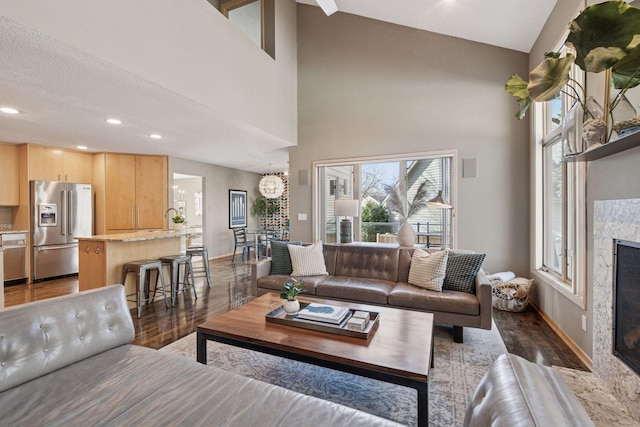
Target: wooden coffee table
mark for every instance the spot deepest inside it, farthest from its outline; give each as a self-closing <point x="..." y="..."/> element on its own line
<point x="400" y="351"/>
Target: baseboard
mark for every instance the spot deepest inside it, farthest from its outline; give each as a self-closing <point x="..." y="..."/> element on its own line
<point x="584" y="358"/>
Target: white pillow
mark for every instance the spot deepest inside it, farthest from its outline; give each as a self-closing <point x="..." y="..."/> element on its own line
<point x="307" y="260"/>
<point x="428" y="270"/>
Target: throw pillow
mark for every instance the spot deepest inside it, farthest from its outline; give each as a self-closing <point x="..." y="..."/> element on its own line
<point x="307" y="260"/>
<point x="280" y="258"/>
<point x="427" y="270"/>
<point x="462" y="269"/>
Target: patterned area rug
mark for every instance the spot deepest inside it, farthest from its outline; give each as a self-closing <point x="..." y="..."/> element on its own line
<point x="458" y="370"/>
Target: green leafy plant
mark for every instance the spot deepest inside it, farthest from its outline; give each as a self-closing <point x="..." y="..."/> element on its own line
<point x="291" y="289"/>
<point x="604" y="38"/>
<point x="397" y="202"/>
<point x="264" y="207"/>
<point x="178" y="219"/>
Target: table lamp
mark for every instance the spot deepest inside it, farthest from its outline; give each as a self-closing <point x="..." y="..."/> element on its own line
<point x="346" y="208"/>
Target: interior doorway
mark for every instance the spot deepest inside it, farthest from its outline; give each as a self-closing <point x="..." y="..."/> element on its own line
<point x="188" y="201"/>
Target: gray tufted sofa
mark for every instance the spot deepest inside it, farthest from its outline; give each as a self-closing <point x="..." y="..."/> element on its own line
<point x="66" y="362"/>
<point x="517" y="393"/>
<point x="379" y="274"/>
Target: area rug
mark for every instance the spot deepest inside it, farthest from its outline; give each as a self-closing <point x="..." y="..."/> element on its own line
<point x="457" y="371"/>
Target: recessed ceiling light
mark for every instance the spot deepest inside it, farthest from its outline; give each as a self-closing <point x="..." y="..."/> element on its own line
<point x="9" y="110"/>
<point x="155" y="136"/>
<point x="114" y="121"/>
<point x="81" y="147"/>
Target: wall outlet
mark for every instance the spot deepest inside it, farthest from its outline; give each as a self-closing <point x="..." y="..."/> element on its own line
<point x="584" y="323"/>
<point x="302" y="217"/>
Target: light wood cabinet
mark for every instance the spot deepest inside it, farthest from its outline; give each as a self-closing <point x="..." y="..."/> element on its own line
<point x="151" y="191"/>
<point x="135" y="192"/>
<point x="9" y="175"/>
<point x="52" y="164"/>
<point x="92" y="260"/>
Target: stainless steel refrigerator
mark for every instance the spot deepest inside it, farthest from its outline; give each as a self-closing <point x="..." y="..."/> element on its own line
<point x="60" y="212"/>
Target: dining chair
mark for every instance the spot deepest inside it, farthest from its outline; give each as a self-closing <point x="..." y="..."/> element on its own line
<point x="241" y="241"/>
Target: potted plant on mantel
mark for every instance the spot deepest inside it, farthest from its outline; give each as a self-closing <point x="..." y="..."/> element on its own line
<point x="397" y="202"/>
<point x="604" y="38"/>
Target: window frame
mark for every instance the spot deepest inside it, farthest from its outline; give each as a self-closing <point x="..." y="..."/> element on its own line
<point x="574" y="173"/>
<point x="317" y="176"/>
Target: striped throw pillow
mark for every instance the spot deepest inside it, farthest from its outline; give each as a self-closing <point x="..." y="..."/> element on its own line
<point x="462" y="269"/>
<point x="428" y="270"/>
<point x="307" y="260"/>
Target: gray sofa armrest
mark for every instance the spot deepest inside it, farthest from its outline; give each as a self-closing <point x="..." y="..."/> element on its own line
<point x="258" y="270"/>
<point x="515" y="391"/>
<point x="484" y="294"/>
<point x="41" y="337"/>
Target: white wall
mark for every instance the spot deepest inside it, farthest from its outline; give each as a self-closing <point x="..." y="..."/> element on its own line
<point x="186" y="46"/>
<point x="216" y="183"/>
<point x="367" y="88"/>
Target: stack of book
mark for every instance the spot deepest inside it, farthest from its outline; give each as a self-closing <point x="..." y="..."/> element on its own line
<point x="323" y="313"/>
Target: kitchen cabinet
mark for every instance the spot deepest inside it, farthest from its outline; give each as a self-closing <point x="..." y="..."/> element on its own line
<point x="9" y="175"/>
<point x="52" y="164"/>
<point x="135" y="192"/>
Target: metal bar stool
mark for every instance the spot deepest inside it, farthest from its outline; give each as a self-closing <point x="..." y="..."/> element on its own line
<point x="174" y="262"/>
<point x="143" y="269"/>
<point x="200" y="251"/>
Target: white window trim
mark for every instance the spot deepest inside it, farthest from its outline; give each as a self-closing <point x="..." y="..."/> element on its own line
<point x="577" y="291"/>
<point x="453" y="153"/>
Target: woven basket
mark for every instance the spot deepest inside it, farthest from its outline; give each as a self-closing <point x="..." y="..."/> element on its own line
<point x="513" y="295"/>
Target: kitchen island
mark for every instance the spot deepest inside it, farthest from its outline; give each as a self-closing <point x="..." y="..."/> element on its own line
<point x="101" y="257"/>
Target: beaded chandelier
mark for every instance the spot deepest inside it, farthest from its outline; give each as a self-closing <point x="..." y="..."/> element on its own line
<point x="271" y="186"/>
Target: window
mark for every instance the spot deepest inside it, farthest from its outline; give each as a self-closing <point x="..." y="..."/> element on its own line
<point x="254" y="18"/>
<point x="367" y="179"/>
<point x="560" y="212"/>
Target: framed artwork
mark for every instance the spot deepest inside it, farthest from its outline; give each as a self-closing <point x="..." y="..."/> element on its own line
<point x="237" y="209"/>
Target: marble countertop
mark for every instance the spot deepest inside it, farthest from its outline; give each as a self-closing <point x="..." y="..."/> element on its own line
<point x="138" y="236"/>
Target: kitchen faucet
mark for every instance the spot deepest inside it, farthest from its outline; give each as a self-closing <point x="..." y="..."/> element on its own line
<point x="169" y="210"/>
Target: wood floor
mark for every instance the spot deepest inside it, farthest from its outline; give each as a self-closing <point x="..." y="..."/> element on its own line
<point x="524" y="334"/>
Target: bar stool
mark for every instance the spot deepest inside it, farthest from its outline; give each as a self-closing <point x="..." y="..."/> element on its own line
<point x="143" y="269"/>
<point x="174" y="262"/>
<point x="201" y="251"/>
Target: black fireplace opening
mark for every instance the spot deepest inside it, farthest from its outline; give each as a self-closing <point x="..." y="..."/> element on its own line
<point x="626" y="303"/>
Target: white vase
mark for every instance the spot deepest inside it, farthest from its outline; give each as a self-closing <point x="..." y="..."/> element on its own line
<point x="406" y="235"/>
<point x="292" y="307"/>
<point x="178" y="226"/>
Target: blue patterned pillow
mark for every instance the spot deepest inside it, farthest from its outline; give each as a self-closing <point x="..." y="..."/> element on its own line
<point x="280" y="258"/>
<point x="462" y="269"/>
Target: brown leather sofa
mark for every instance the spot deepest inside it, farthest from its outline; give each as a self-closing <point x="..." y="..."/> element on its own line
<point x="378" y="275"/>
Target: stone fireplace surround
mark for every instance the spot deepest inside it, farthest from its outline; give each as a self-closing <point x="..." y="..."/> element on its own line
<point x="612" y="219"/>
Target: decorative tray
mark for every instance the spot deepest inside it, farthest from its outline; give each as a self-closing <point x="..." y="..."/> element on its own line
<point x="278" y="315"/>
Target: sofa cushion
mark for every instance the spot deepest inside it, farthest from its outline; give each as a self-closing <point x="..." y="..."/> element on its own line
<point x="427" y="270"/>
<point x="355" y="288"/>
<point x="42" y="336"/>
<point x="280" y="258"/>
<point x="369" y="262"/>
<point x="462" y="269"/>
<point x="307" y="260"/>
<point x="275" y="282"/>
<point x="410" y="296"/>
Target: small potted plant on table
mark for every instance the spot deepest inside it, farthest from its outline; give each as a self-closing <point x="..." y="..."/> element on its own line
<point x="289" y="292"/>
